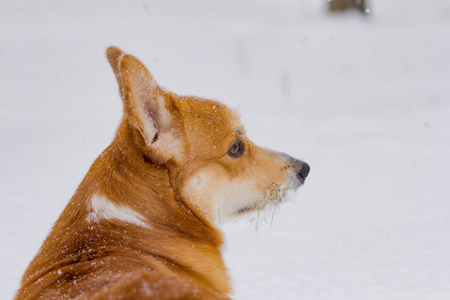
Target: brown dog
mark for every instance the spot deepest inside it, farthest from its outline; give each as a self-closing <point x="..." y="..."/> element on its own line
<point x="142" y="223"/>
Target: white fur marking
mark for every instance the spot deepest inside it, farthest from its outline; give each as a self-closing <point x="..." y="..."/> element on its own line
<point x="102" y="208"/>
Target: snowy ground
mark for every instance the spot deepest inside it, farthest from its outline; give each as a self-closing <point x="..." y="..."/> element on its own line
<point x="365" y="101"/>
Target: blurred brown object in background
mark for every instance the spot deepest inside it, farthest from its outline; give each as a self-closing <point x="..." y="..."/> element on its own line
<point x="343" y="5"/>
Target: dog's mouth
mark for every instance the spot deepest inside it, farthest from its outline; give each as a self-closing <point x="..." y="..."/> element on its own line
<point x="275" y="195"/>
<point x="245" y="210"/>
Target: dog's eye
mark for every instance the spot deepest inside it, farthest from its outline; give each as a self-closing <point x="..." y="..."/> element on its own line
<point x="237" y="149"/>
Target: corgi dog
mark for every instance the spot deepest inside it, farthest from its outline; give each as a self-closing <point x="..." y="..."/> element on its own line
<point x="143" y="223"/>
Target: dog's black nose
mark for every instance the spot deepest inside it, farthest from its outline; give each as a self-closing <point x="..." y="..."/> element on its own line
<point x="304" y="171"/>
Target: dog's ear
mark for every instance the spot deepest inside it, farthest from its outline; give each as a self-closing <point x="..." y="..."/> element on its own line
<point x="113" y="55"/>
<point x="151" y="111"/>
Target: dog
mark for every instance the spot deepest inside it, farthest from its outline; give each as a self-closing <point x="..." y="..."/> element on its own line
<point x="143" y="223"/>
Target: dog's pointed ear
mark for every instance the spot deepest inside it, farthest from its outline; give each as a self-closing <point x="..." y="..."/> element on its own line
<point x="151" y="111"/>
<point x="113" y="55"/>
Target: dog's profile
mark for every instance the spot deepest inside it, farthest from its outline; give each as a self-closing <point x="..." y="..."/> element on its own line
<point x="143" y="222"/>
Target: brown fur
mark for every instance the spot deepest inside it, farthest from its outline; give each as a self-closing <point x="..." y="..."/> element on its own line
<point x="164" y="145"/>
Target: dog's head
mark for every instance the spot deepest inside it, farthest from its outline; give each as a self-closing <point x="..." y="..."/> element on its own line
<point x="214" y="167"/>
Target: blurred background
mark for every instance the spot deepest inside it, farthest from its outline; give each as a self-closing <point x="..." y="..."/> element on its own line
<point x="360" y="90"/>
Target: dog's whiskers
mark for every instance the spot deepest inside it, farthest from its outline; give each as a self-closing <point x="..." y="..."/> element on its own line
<point x="269" y="206"/>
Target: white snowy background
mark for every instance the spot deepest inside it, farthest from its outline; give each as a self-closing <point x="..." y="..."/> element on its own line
<point x="365" y="101"/>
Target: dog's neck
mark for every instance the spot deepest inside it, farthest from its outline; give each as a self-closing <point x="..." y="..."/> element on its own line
<point x="138" y="189"/>
<point x="149" y="187"/>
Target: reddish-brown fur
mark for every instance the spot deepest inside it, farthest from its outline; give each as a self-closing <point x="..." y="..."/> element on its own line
<point x="177" y="254"/>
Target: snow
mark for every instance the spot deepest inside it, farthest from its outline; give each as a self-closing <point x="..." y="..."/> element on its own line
<point x="365" y="101"/>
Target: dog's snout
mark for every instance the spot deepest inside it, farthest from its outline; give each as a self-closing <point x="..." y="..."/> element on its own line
<point x="301" y="168"/>
<point x="303" y="171"/>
